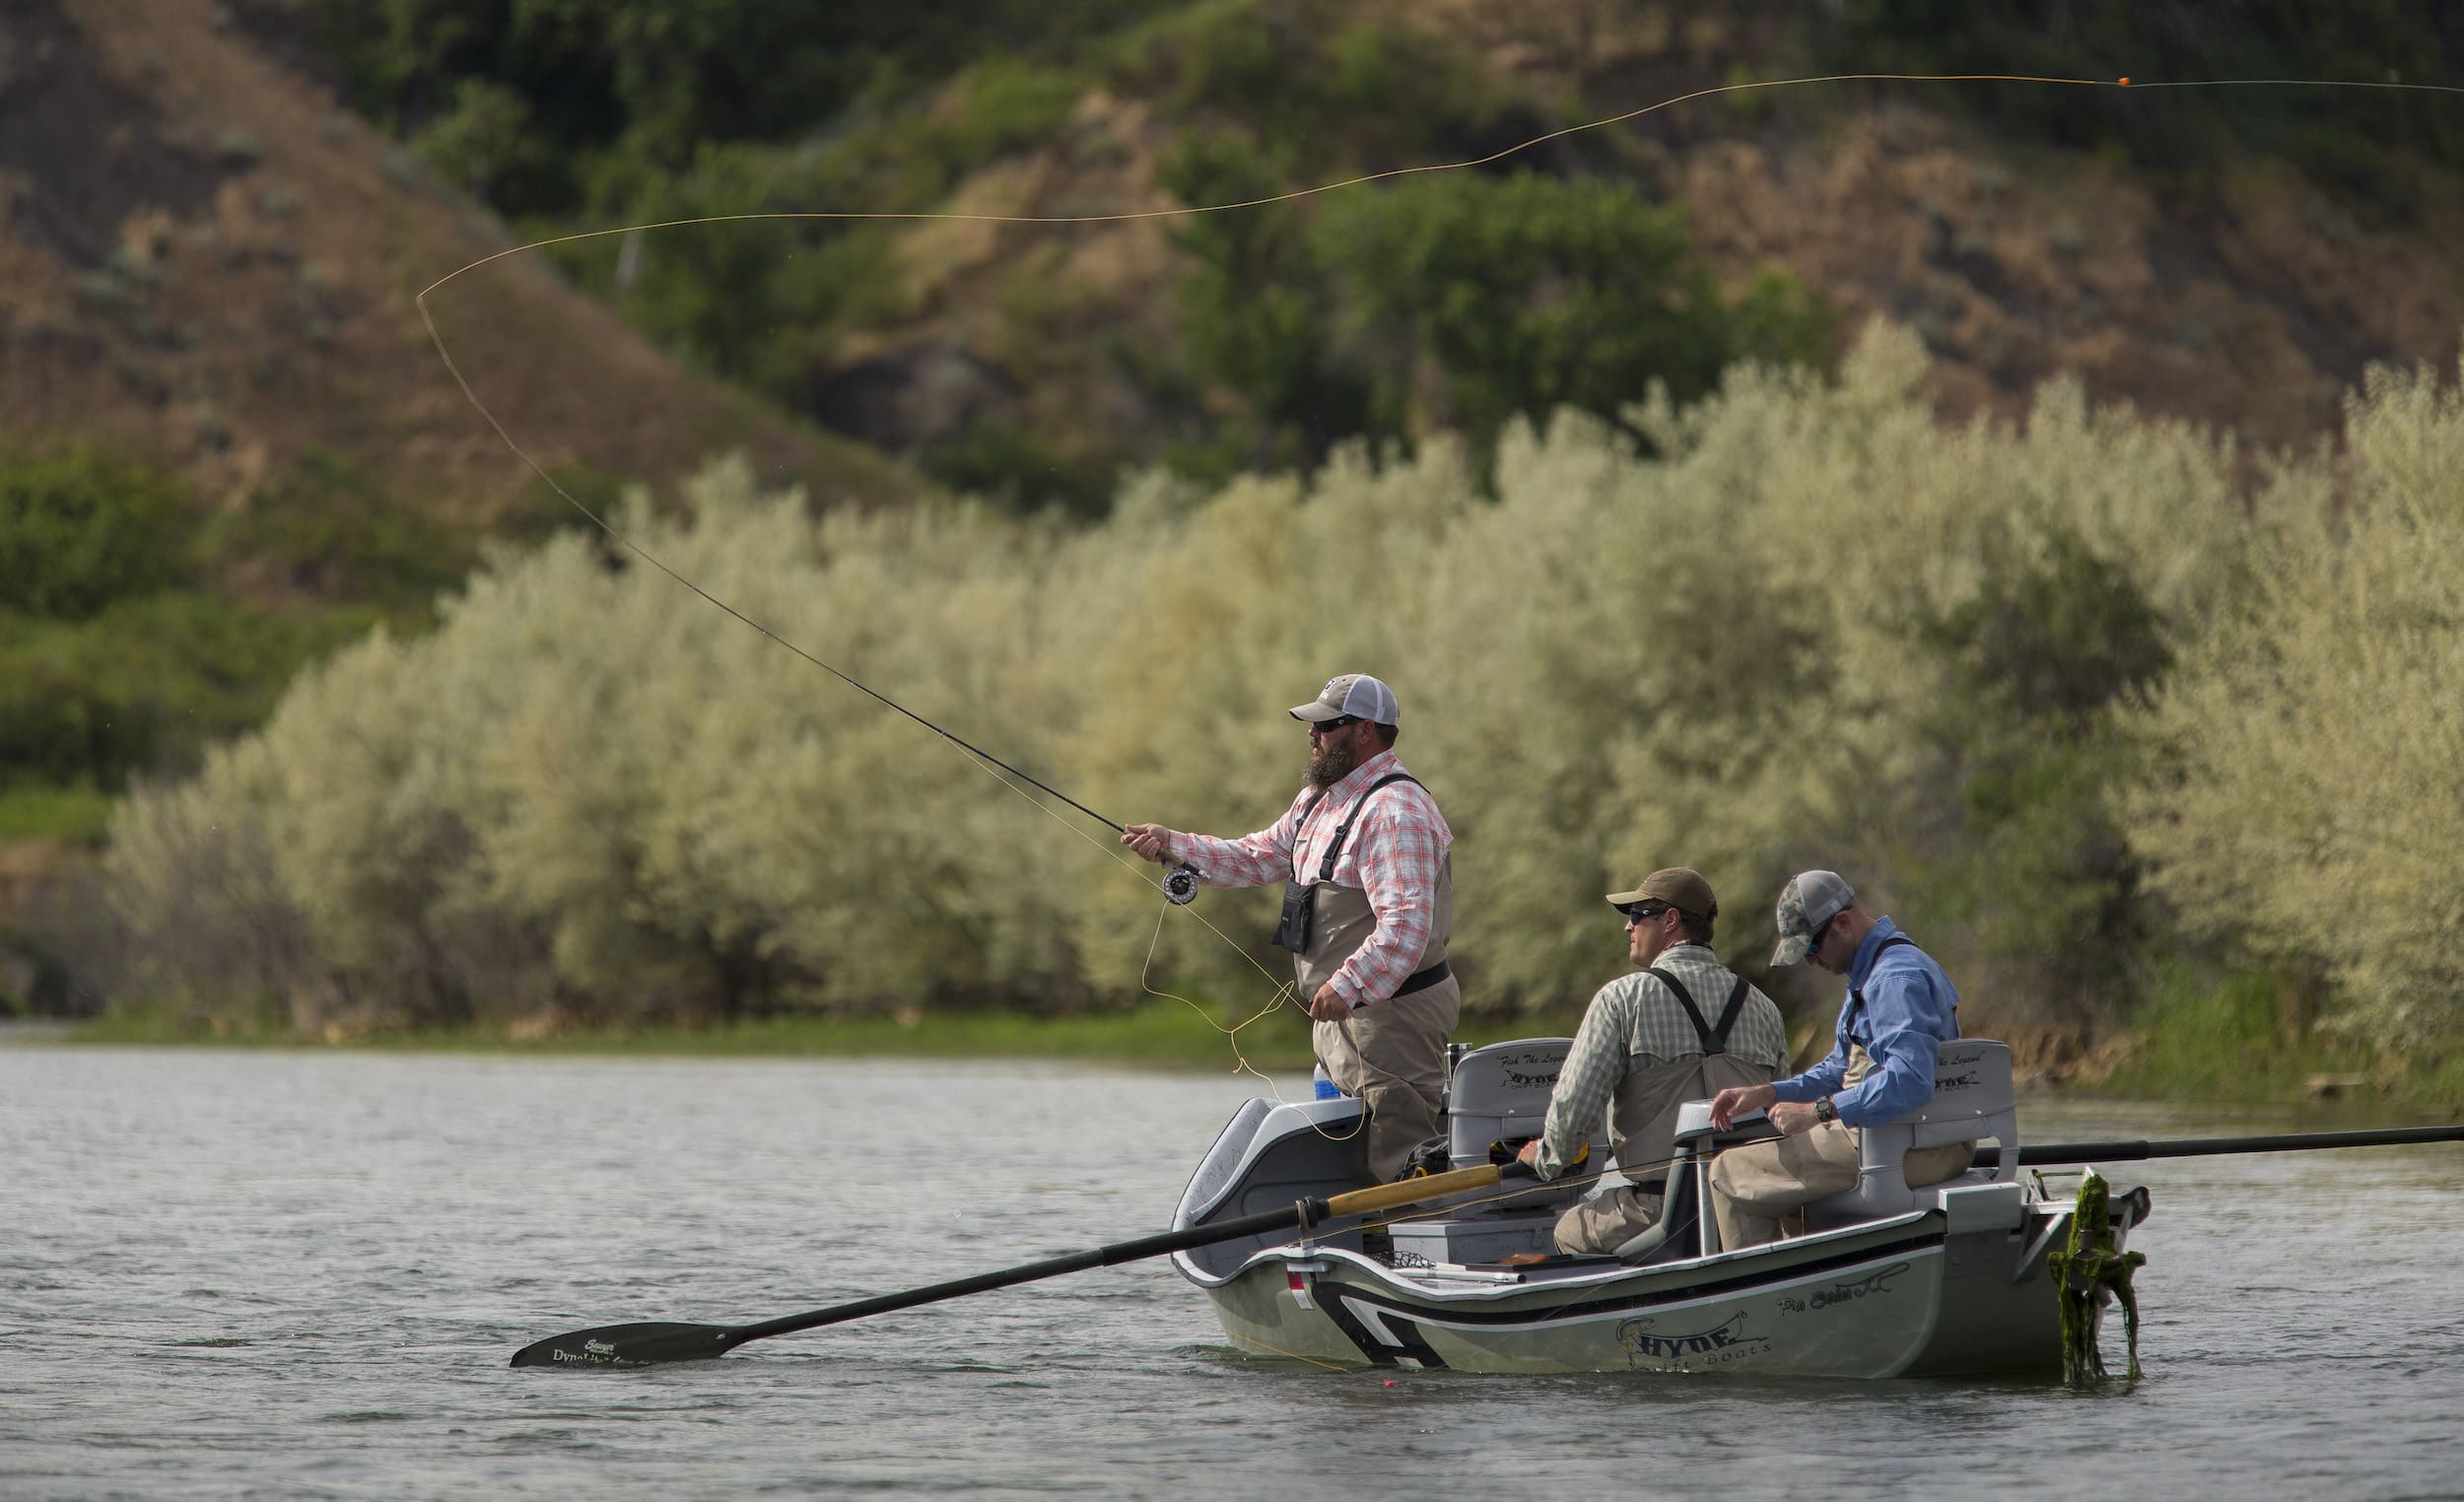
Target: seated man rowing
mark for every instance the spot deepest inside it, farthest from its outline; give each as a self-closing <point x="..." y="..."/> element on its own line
<point x="1644" y="1049"/>
<point x="1899" y="1010"/>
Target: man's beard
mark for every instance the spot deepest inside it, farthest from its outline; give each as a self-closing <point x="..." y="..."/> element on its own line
<point x="1330" y="762"/>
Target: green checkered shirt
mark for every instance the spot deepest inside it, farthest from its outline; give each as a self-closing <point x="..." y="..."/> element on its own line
<point x="1634" y="1023"/>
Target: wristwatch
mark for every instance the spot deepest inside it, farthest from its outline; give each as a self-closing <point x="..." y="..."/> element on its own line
<point x="1823" y="1110"/>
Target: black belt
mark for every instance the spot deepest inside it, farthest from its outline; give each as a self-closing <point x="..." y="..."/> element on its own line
<point x="1425" y="979"/>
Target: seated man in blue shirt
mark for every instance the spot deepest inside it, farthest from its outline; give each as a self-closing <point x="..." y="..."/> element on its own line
<point x="1900" y="1010"/>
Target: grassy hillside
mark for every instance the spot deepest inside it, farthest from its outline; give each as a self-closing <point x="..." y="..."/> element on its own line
<point x="2235" y="257"/>
<point x="226" y="443"/>
<point x="212" y="262"/>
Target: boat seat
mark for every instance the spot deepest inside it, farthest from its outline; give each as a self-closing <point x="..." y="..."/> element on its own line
<point x="1681" y="1211"/>
<point x="1972" y="1099"/>
<point x="1676" y="1234"/>
<point x="1500" y="1094"/>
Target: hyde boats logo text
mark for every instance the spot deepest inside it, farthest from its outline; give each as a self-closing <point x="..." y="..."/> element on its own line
<point x="1690" y="1350"/>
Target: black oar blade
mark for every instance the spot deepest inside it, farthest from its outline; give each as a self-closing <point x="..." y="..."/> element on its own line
<point x="630" y="1345"/>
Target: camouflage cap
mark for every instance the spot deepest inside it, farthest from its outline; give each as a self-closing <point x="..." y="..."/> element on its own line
<point x="1809" y="901"/>
<point x="1681" y="887"/>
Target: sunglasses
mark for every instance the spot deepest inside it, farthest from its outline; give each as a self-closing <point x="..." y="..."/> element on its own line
<point x="1644" y="912"/>
<point x="1813" y="945"/>
<point x="1330" y="726"/>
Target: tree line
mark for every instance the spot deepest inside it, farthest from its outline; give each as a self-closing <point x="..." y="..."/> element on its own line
<point x="2088" y="701"/>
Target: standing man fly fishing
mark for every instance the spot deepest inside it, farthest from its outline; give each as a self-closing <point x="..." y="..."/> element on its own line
<point x="1368" y="906"/>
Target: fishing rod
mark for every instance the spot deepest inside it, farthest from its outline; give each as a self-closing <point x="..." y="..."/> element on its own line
<point x="1179" y="886"/>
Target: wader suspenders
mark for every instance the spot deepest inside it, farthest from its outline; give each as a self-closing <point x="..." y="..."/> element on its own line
<point x="1856" y="993"/>
<point x="1300" y="902"/>
<point x="1714" y="1039"/>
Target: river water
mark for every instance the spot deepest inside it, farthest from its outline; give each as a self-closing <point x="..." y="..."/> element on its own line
<point x="300" y="1274"/>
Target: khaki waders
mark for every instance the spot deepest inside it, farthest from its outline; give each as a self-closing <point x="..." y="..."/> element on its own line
<point x="1755" y="1187"/>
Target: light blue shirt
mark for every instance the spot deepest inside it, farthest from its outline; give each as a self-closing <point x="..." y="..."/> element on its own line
<point x="1910" y="1010"/>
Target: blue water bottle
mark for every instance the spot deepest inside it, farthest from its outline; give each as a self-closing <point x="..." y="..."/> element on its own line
<point x="1325" y="1086"/>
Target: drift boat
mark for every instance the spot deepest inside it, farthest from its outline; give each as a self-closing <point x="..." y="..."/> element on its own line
<point x="1885" y="1281"/>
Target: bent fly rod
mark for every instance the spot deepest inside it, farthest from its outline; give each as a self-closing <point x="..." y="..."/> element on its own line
<point x="1179" y="886"/>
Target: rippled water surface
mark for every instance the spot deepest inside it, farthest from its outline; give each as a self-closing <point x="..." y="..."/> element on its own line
<point x="300" y="1274"/>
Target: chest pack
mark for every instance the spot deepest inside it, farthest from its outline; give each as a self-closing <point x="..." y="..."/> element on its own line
<point x="1300" y="901"/>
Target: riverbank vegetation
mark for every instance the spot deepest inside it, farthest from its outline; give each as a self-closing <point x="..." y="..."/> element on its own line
<point x="2085" y="701"/>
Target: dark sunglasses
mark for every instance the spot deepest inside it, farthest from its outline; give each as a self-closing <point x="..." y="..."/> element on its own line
<point x="1816" y="942"/>
<point x="1330" y="726"/>
<point x="1644" y="912"/>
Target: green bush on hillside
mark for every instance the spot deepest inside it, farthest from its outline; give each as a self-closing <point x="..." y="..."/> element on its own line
<point x="117" y="661"/>
<point x="145" y="684"/>
<point x="1314" y="81"/>
<point x="80" y="530"/>
<point x="1518" y="296"/>
<point x="322" y="529"/>
<point x="564" y="83"/>
<point x="1458" y="302"/>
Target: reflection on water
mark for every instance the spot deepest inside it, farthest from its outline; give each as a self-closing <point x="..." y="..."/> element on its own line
<point x="234" y="1274"/>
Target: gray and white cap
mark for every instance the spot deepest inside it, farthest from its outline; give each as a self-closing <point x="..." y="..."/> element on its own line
<point x="1809" y="901"/>
<point x="1355" y="694"/>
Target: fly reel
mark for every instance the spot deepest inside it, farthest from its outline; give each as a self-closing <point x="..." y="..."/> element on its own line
<point x="1181" y="887"/>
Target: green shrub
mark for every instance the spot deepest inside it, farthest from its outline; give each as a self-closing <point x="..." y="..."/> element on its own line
<point x="2302" y="805"/>
<point x="489" y="146"/>
<point x="1457" y="302"/>
<point x="1316" y="82"/>
<point x="1524" y="294"/>
<point x="1005" y="464"/>
<point x="145" y="684"/>
<point x="77" y="815"/>
<point x="1002" y="105"/>
<point x="80" y="530"/>
<point x="1256" y="312"/>
<point x="325" y="530"/>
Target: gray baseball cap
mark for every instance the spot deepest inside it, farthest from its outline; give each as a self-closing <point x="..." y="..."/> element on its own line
<point x="1355" y="693"/>
<point x="1809" y="901"/>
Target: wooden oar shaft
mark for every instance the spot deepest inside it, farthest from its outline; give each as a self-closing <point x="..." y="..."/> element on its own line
<point x="2049" y="1153"/>
<point x="1368" y="1202"/>
<point x="1388" y="1196"/>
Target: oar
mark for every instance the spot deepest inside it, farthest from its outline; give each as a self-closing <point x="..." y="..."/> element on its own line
<point x="2202" y="1147"/>
<point x="643" y="1344"/>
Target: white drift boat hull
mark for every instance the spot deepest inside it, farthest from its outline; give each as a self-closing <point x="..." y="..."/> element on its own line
<point x="1956" y="1286"/>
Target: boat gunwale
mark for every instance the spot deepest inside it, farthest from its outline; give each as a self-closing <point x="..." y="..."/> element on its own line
<point x="1812" y="1256"/>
